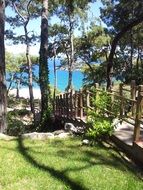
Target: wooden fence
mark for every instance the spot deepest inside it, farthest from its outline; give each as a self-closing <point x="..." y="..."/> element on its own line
<point x="74" y="104"/>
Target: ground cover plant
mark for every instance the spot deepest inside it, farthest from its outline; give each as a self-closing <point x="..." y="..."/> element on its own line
<point x="64" y="165"/>
<point x="99" y="119"/>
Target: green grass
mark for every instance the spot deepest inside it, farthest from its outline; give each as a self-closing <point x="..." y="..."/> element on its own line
<point x="62" y="165"/>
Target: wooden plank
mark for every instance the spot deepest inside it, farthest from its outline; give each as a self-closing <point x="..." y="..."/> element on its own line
<point x="133" y="96"/>
<point x="122" y="101"/>
<point x="76" y="104"/>
<point x="138" y="114"/>
<point x="81" y="104"/>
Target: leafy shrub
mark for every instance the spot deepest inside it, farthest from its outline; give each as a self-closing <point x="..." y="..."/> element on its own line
<point x="15" y="122"/>
<point x="99" y="119"/>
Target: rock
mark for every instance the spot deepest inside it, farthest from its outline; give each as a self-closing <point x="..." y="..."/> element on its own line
<point x="63" y="135"/>
<point x="38" y="136"/>
<point x="70" y="128"/>
<point x="57" y="132"/>
<point x="6" y="137"/>
<point x="85" y="142"/>
<point x="116" y="123"/>
<point x="44" y="136"/>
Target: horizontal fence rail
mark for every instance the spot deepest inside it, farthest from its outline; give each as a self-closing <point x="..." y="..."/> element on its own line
<point x="74" y="104"/>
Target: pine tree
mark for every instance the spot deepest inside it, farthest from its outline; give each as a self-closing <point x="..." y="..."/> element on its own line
<point x="3" y="94"/>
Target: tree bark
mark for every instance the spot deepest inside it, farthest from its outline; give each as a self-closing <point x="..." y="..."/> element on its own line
<point x="3" y="91"/>
<point x="30" y="76"/>
<point x="71" y="60"/>
<point x="43" y="61"/>
<point x="11" y="82"/>
<point x="114" y="45"/>
<point x="17" y="88"/>
<point x="55" y="83"/>
<point x="29" y="63"/>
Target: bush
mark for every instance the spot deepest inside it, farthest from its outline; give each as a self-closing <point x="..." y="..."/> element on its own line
<point x="99" y="119"/>
<point x="15" y="122"/>
<point x="99" y="128"/>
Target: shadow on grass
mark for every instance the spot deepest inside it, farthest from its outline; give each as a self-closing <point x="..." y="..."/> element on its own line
<point x="87" y="156"/>
<point x="60" y="175"/>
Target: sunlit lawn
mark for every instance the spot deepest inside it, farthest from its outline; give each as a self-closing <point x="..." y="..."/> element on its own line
<point x="63" y="164"/>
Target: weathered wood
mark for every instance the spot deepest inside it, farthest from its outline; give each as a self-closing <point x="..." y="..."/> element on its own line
<point x="138" y="113"/>
<point x="73" y="105"/>
<point x="122" y="101"/>
<point x="67" y="105"/>
<point x="76" y="104"/>
<point x="81" y="104"/>
<point x="133" y="96"/>
<point x="64" y="105"/>
<point x="87" y="99"/>
<point x="61" y="107"/>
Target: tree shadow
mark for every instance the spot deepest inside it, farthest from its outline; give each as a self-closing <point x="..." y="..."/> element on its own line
<point x="60" y="175"/>
<point x="116" y="158"/>
<point x="88" y="158"/>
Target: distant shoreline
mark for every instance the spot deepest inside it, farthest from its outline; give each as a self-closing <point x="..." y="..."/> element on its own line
<point x="24" y="93"/>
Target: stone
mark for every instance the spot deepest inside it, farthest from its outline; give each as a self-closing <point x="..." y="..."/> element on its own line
<point x="116" y="123"/>
<point x="85" y="142"/>
<point x="6" y="137"/>
<point x="63" y="135"/>
<point x="38" y="136"/>
<point x="70" y="128"/>
<point x="57" y="132"/>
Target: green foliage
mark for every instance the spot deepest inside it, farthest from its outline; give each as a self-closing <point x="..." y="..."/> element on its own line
<point x="99" y="119"/>
<point x="45" y="122"/>
<point x="15" y="125"/>
<point x="100" y="129"/>
<point x="98" y="70"/>
<point x="63" y="164"/>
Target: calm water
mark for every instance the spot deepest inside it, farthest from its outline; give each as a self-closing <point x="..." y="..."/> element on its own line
<point x="62" y="77"/>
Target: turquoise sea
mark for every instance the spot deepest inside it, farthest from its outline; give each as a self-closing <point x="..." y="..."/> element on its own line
<point x="62" y="77"/>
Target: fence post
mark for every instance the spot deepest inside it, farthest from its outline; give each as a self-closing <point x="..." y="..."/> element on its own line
<point x="87" y="99"/>
<point x="64" y="105"/>
<point x="122" y="100"/>
<point x="138" y="113"/>
<point x="133" y="96"/>
<point x="81" y="104"/>
<point x="58" y="105"/>
<point x="96" y="85"/>
<point x="67" y="105"/>
<point x="87" y="102"/>
<point x="55" y="110"/>
<point x="61" y="108"/>
<point x="96" y="93"/>
<point x="76" y="104"/>
<point x="71" y="103"/>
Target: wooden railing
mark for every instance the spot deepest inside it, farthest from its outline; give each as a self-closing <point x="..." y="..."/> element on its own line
<point x="74" y="104"/>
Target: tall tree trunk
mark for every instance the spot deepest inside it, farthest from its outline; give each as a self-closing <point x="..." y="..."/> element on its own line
<point x="71" y="60"/>
<point x="43" y="62"/>
<point x="138" y="57"/>
<point x="3" y="92"/>
<point x="11" y="82"/>
<point x="29" y="63"/>
<point x="55" y="83"/>
<point x="17" y="88"/>
<point x="132" y="51"/>
<point x="30" y="77"/>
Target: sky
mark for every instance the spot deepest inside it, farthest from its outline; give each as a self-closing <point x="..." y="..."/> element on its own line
<point x="35" y="26"/>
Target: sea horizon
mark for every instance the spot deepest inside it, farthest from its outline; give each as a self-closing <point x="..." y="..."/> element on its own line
<point x="62" y="78"/>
